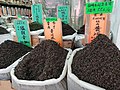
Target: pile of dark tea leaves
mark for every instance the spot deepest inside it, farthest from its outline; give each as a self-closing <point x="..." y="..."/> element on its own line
<point x="99" y="63"/>
<point x="35" y="26"/>
<point x="45" y="61"/>
<point x="11" y="51"/>
<point x="81" y="30"/>
<point x="3" y="31"/>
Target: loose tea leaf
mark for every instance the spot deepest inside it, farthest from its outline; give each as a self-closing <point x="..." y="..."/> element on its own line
<point x="81" y="30"/>
<point x="99" y="63"/>
<point x="44" y="62"/>
<point x="11" y="51"/>
<point x="35" y="26"/>
<point x="3" y="31"/>
<point x="67" y="29"/>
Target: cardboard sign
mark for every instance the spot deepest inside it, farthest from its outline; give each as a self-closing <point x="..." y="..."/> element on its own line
<point x="99" y="7"/>
<point x="23" y="32"/>
<point x="63" y="12"/>
<point x="37" y="13"/>
<point x="84" y="21"/>
<point x="97" y="25"/>
<point x="53" y="30"/>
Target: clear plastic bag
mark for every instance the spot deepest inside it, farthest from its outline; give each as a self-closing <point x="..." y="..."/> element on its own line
<point x="115" y="22"/>
<point x="77" y="13"/>
<point x="50" y="6"/>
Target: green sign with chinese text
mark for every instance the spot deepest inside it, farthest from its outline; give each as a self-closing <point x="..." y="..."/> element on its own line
<point x="37" y="13"/>
<point x="23" y="32"/>
<point x="99" y="7"/>
<point x="63" y="12"/>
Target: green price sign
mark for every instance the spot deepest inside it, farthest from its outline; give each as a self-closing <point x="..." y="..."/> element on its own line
<point x="37" y="13"/>
<point x="63" y="12"/>
<point x="99" y="7"/>
<point x="22" y="32"/>
<point x="51" y="19"/>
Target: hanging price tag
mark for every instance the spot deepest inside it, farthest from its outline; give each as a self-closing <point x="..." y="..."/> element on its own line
<point x="63" y="12"/>
<point x="53" y="30"/>
<point x="37" y="13"/>
<point x="99" y="7"/>
<point x="98" y="24"/>
<point x="22" y="32"/>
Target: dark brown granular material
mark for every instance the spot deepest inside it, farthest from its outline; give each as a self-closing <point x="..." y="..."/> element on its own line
<point x="11" y="51"/>
<point x="44" y="62"/>
<point x="35" y="26"/>
<point x="99" y="63"/>
<point x="3" y="31"/>
<point x="66" y="30"/>
<point x="81" y="30"/>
